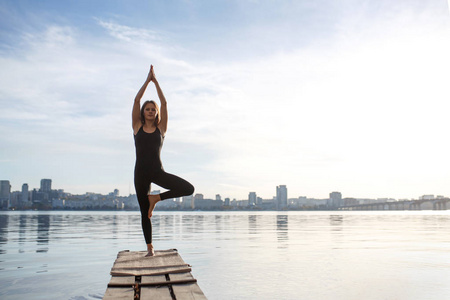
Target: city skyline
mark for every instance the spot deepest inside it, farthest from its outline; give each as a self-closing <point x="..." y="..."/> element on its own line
<point x="280" y="192"/>
<point x="46" y="198"/>
<point x="324" y="96"/>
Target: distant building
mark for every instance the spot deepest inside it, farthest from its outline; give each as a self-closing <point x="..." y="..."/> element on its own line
<point x="242" y="203"/>
<point x="208" y="204"/>
<point x="130" y="202"/>
<point x="24" y="195"/>
<point x="218" y="198"/>
<point x="259" y="201"/>
<point x="426" y="197"/>
<point x="46" y="185"/>
<point x="281" y="198"/>
<point x="349" y="201"/>
<point x="252" y="199"/>
<point x="58" y="203"/>
<point x="39" y="198"/>
<point x="227" y="201"/>
<point x="366" y="201"/>
<point x="14" y="200"/>
<point x="167" y="204"/>
<point x="5" y="194"/>
<point x="5" y="189"/>
<point x="187" y="202"/>
<point x="335" y="199"/>
<point x="268" y="203"/>
<point x="386" y="200"/>
<point x="304" y="202"/>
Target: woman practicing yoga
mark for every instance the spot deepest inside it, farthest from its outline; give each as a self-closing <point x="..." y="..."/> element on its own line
<point x="150" y="126"/>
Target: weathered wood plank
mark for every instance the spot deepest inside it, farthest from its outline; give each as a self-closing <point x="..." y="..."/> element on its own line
<point x="150" y="271"/>
<point x="157" y="278"/>
<point x="122" y="280"/>
<point x="181" y="276"/>
<point x="119" y="294"/>
<point x="160" y="293"/>
<point x="189" y="291"/>
<point x="155" y="283"/>
<point x="136" y="263"/>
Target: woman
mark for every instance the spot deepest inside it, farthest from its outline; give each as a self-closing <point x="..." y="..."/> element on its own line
<point x="150" y="126"/>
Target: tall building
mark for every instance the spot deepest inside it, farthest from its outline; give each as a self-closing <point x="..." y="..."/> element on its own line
<point x="335" y="199"/>
<point x="24" y="195"/>
<point x="5" y="194"/>
<point x="252" y="199"/>
<point x="46" y="185"/>
<point x="218" y="197"/>
<point x="281" y="199"/>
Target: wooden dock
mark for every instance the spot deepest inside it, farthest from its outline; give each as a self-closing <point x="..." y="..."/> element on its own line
<point x="163" y="276"/>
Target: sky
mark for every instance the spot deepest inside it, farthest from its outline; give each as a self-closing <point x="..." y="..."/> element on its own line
<point x="320" y="96"/>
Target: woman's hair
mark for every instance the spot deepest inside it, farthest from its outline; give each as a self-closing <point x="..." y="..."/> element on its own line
<point x="158" y="116"/>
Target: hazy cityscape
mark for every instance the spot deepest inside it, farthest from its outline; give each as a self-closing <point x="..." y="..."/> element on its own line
<point x="47" y="198"/>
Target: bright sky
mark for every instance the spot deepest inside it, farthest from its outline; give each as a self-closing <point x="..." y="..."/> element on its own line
<point x="321" y="96"/>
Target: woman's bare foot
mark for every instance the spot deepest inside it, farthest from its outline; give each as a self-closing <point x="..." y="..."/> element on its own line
<point x="153" y="199"/>
<point x="150" y="251"/>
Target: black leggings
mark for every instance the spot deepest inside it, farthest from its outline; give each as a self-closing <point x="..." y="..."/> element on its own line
<point x="175" y="185"/>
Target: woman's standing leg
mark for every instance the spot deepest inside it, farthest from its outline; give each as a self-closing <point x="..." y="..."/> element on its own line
<point x="142" y="185"/>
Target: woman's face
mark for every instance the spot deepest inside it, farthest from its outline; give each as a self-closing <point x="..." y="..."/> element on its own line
<point x="150" y="111"/>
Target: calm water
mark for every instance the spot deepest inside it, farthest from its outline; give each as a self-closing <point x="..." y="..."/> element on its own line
<point x="244" y="255"/>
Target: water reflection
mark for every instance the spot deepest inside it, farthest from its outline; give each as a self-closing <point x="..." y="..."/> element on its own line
<point x="115" y="224"/>
<point x="252" y="224"/>
<point x="282" y="228"/>
<point x="3" y="232"/>
<point x="218" y="221"/>
<point x="22" y="232"/>
<point x="336" y="222"/>
<point x="43" y="233"/>
<point x="163" y="226"/>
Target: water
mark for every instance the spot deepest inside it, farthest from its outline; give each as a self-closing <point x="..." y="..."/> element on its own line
<point x="235" y="255"/>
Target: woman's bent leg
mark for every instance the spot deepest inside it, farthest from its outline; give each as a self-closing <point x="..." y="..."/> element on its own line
<point x="176" y="186"/>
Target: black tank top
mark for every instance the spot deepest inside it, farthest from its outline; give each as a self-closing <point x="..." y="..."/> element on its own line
<point x="148" y="150"/>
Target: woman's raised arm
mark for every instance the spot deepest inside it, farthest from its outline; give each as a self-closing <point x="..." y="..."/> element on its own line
<point x="163" y="107"/>
<point x="136" y="113"/>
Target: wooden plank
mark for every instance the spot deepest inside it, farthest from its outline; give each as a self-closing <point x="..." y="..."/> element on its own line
<point x="136" y="263"/>
<point x="189" y="291"/>
<point x="160" y="293"/>
<point x="155" y="283"/>
<point x="151" y="279"/>
<point x="181" y="276"/>
<point x="150" y="271"/>
<point x="119" y="294"/>
<point x="122" y="280"/>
